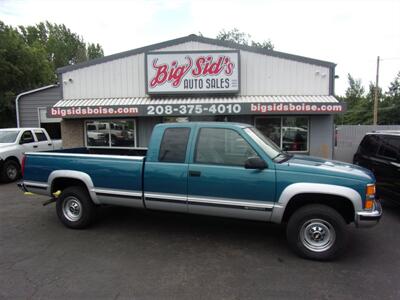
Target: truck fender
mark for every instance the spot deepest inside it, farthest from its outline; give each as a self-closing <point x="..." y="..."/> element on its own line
<point x="84" y="177"/>
<point x="309" y="188"/>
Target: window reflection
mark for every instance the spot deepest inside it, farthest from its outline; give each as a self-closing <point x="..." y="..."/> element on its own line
<point x="111" y="133"/>
<point x="289" y="133"/>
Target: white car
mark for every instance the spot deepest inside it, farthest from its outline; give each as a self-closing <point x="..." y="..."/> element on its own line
<point x="14" y="142"/>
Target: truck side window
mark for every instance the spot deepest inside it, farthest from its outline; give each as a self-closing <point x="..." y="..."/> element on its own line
<point x="40" y="136"/>
<point x="390" y="147"/>
<point x="222" y="146"/>
<point x="174" y="144"/>
<point x="27" y="137"/>
<point x="370" y="144"/>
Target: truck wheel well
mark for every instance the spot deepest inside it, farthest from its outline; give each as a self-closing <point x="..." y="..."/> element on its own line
<point x="60" y="184"/>
<point x="13" y="158"/>
<point x="341" y="204"/>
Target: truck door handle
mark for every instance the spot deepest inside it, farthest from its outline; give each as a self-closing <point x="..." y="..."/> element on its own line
<point x="49" y="144"/>
<point x="194" y="173"/>
<point x="35" y="146"/>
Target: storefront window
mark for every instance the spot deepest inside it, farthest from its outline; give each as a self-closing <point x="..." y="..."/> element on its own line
<point x="111" y="133"/>
<point x="271" y="128"/>
<point x="289" y="133"/>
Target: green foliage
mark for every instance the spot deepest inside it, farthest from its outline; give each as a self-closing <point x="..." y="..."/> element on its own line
<point x="62" y="46"/>
<point x="29" y="57"/>
<point x="391" y="104"/>
<point x="21" y="68"/>
<point x="239" y="37"/>
<point x="360" y="105"/>
<point x="94" y="51"/>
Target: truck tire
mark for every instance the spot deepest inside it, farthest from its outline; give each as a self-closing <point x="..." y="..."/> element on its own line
<point x="317" y="232"/>
<point x="11" y="171"/>
<point x="75" y="208"/>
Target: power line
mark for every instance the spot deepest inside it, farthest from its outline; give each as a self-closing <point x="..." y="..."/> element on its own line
<point x="391" y="58"/>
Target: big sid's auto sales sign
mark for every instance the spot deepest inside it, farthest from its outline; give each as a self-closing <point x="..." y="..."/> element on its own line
<point x="192" y="72"/>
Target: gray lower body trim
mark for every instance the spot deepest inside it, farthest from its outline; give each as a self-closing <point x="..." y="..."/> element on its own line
<point x="36" y="187"/>
<point x="225" y="207"/>
<point x="230" y="203"/>
<point x="120" y="197"/>
<point x="232" y="208"/>
<point x="165" y="201"/>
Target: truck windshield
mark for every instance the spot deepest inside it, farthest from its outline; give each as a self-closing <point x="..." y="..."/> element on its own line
<point x="272" y="150"/>
<point x="8" y="136"/>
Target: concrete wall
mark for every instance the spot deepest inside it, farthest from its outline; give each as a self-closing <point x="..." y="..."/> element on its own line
<point x="72" y="132"/>
<point x="350" y="136"/>
<point x="144" y="129"/>
<point x="321" y="136"/>
<point x="28" y="105"/>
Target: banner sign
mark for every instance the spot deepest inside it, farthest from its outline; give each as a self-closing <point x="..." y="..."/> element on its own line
<point x="205" y="109"/>
<point x="194" y="72"/>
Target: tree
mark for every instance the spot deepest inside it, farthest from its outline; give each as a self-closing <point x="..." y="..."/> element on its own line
<point x="360" y="105"/>
<point x="21" y="68"/>
<point x="355" y="91"/>
<point x="390" y="106"/>
<point x="63" y="47"/>
<point x="94" y="51"/>
<point x="29" y="57"/>
<point x="239" y="37"/>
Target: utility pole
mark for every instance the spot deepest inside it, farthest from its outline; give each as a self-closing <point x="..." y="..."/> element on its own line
<point x="376" y="93"/>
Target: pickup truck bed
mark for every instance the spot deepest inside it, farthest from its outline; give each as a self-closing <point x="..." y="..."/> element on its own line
<point x="99" y="171"/>
<point x="220" y="169"/>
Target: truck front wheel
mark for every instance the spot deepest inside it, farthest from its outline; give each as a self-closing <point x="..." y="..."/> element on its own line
<point x="11" y="171"/>
<point x="317" y="232"/>
<point x="75" y="208"/>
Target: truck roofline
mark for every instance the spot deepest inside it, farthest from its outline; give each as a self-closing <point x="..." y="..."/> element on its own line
<point x="214" y="124"/>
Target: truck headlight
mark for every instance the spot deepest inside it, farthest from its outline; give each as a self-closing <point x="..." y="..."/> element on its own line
<point x="370" y="196"/>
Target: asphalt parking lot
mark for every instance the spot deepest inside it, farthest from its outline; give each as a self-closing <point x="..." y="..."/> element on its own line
<point x="152" y="255"/>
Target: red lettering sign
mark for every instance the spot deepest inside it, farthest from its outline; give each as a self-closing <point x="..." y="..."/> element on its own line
<point x="170" y="73"/>
<point x="191" y="72"/>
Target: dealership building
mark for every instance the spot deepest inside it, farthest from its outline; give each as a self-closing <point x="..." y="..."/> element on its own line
<point x="115" y="101"/>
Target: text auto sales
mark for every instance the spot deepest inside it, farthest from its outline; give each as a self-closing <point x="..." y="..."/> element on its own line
<point x="201" y="70"/>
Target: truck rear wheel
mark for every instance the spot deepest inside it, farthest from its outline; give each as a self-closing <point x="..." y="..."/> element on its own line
<point x="75" y="208"/>
<point x="317" y="232"/>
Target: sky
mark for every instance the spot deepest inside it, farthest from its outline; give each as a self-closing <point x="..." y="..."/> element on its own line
<point x="350" y="33"/>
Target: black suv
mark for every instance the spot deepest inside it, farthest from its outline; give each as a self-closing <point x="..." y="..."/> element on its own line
<point x="380" y="152"/>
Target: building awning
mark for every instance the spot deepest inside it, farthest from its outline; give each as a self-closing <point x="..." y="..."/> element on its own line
<point x="186" y="106"/>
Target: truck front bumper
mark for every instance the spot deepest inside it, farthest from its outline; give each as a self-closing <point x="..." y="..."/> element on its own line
<point x="369" y="218"/>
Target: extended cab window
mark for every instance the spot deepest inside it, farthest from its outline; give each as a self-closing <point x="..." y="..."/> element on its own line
<point x="40" y="136"/>
<point x="174" y="144"/>
<point x="222" y="146"/>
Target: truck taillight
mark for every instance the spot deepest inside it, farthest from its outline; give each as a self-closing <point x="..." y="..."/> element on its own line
<point x="370" y="196"/>
<point x="23" y="166"/>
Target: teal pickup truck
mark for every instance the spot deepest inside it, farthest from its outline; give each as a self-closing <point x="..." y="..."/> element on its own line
<point x="219" y="169"/>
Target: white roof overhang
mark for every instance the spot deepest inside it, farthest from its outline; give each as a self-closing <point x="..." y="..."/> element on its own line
<point x="179" y="106"/>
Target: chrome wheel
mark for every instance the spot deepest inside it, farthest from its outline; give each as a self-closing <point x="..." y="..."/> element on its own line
<point x="317" y="235"/>
<point x="72" y="209"/>
<point x="12" y="172"/>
